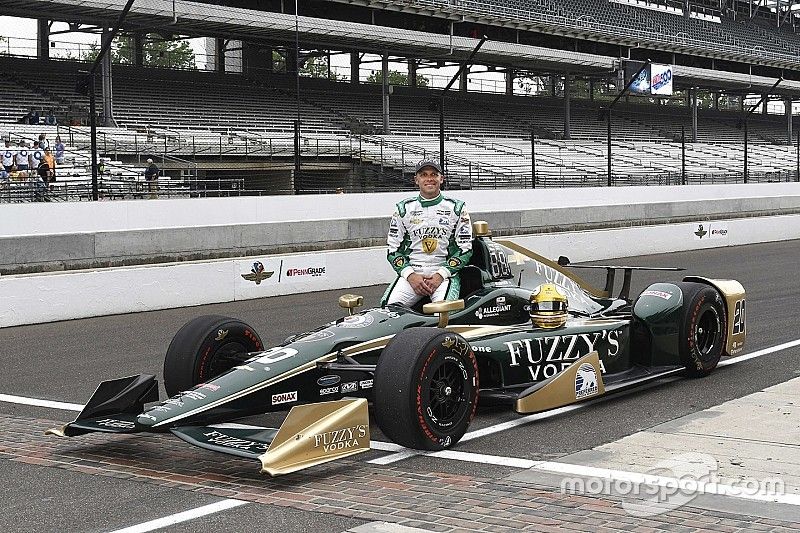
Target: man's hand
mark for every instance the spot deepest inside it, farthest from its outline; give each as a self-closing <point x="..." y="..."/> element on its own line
<point x="433" y="282"/>
<point x="419" y="284"/>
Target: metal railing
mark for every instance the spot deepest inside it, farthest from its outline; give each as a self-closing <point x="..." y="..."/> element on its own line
<point x="34" y="190"/>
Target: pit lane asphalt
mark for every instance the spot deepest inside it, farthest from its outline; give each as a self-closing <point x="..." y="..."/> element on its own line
<point x="65" y="361"/>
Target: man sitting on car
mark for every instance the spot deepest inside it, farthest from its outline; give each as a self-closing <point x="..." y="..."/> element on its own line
<point x="430" y="241"/>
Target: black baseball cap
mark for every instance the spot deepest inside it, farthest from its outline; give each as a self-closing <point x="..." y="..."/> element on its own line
<point x="429" y="163"/>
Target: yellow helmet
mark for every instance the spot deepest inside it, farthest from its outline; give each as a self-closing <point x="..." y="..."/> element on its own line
<point x="549" y="306"/>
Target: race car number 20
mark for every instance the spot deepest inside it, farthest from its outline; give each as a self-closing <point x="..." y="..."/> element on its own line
<point x="273" y="355"/>
<point x="739" y="317"/>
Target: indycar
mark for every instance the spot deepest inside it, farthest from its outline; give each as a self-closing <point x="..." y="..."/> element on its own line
<point x="425" y="369"/>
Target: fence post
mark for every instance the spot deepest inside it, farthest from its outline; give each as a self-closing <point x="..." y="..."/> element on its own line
<point x="683" y="154"/>
<point x="533" y="160"/>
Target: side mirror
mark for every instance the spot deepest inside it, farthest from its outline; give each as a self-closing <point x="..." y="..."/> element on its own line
<point x="443" y="308"/>
<point x="350" y="301"/>
<point x="563" y="260"/>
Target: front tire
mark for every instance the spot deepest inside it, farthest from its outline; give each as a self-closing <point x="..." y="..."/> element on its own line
<point x="426" y="388"/>
<point x="703" y="330"/>
<point x="206" y="347"/>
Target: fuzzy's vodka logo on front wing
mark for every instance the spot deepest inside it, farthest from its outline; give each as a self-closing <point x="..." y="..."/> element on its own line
<point x="547" y="356"/>
<point x="340" y="439"/>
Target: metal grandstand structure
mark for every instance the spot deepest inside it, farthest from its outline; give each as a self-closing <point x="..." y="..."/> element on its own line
<point x="621" y="29"/>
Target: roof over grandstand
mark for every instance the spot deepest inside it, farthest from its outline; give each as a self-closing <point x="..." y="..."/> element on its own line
<point x="193" y="18"/>
<point x="200" y="19"/>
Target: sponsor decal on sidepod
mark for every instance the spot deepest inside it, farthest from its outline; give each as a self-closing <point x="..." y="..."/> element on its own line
<point x="327" y="381"/>
<point x="284" y="397"/>
<point x="586" y="381"/>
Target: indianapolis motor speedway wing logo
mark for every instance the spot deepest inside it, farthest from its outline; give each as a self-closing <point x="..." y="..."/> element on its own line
<point x="257" y="273"/>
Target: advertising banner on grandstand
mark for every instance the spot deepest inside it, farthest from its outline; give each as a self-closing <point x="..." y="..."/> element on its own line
<point x="641" y="85"/>
<point x="655" y="80"/>
<point x="661" y="79"/>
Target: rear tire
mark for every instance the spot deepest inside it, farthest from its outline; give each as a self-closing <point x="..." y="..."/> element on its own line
<point x="206" y="347"/>
<point x="426" y="388"/>
<point x="704" y="328"/>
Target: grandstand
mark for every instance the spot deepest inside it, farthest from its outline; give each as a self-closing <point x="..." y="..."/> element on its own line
<point x="240" y="126"/>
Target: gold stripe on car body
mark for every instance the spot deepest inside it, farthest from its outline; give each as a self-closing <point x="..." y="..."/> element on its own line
<point x="563" y="388"/>
<point x="583" y="284"/>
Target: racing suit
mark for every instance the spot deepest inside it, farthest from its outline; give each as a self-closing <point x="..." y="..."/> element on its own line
<point x="428" y="237"/>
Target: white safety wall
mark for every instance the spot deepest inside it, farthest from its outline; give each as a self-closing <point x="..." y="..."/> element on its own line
<point x="35" y="298"/>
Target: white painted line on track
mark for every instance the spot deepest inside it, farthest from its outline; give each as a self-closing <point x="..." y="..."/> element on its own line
<point x="515" y="462"/>
<point x="687" y="485"/>
<point x="386" y="446"/>
<point x="759" y="353"/>
<point x="403" y="454"/>
<point x="393" y="458"/>
<point x="40" y="403"/>
<point x="184" y="516"/>
<point x="521" y="421"/>
<point x="400" y="453"/>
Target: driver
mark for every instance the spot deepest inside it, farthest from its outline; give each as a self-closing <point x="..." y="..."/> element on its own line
<point x="430" y="240"/>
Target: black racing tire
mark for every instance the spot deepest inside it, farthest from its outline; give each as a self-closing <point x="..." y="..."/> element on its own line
<point x="426" y="388"/>
<point x="200" y="351"/>
<point x="703" y="330"/>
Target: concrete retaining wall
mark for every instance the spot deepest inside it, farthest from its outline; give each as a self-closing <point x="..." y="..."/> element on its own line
<point x="48" y="237"/>
<point x="44" y="297"/>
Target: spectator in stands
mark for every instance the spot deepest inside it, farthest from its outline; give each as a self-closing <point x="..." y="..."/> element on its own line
<point x="151" y="176"/>
<point x="37" y="154"/>
<point x="39" y="189"/>
<point x="33" y="116"/>
<point x="43" y="142"/>
<point x="49" y="162"/>
<point x="4" y="178"/>
<point x="8" y="156"/>
<point x="430" y="241"/>
<point x="22" y="157"/>
<point x="50" y="119"/>
<point x="59" y="151"/>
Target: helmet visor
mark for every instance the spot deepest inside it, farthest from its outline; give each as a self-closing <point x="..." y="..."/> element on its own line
<point x="551" y="306"/>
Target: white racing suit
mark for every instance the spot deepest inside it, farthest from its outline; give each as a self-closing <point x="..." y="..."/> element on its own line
<point x="428" y="237"/>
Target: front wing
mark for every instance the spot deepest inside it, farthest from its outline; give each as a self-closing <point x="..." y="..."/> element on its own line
<point x="310" y="434"/>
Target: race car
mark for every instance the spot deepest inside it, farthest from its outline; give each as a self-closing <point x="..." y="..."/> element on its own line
<point x="527" y="332"/>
